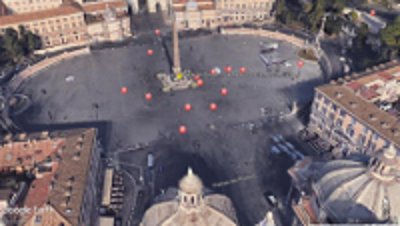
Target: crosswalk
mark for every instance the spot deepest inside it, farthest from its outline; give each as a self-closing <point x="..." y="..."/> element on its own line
<point x="284" y="146"/>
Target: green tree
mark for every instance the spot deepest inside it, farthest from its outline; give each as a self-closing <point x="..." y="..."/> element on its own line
<point x="281" y="10"/>
<point x="315" y="17"/>
<point x="307" y="7"/>
<point x="391" y="34"/>
<point x="33" y="42"/>
<point x="12" y="44"/>
<point x="333" y="25"/>
<point x="354" y="16"/>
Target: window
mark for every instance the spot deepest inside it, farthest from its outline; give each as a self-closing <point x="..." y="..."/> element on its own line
<point x="38" y="219"/>
<point x="334" y="107"/>
<point x="326" y="101"/>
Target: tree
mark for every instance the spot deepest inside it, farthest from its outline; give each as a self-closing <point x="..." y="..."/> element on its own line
<point x="333" y="25"/>
<point x="354" y="16"/>
<point x="280" y="10"/>
<point x="317" y="14"/>
<point x="307" y="7"/>
<point x="33" y="42"/>
<point x="12" y="44"/>
<point x="391" y="34"/>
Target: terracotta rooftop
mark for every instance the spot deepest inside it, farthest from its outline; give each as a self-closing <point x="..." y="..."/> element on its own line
<point x="39" y="15"/>
<point x="63" y="10"/>
<point x="27" y="153"/>
<point x="342" y="93"/>
<point x="67" y="158"/>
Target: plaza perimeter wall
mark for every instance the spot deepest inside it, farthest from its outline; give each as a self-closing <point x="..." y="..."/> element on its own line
<point x="292" y="39"/>
<point x="32" y="70"/>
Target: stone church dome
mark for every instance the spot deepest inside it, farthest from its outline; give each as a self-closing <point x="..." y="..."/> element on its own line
<point x="351" y="191"/>
<point x="191" y="183"/>
<point x="190" y="206"/>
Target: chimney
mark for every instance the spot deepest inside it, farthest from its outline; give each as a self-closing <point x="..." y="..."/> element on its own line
<point x="22" y="136"/>
<point x="44" y="134"/>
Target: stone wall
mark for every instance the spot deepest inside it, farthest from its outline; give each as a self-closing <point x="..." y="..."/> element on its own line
<point x="34" y="69"/>
<point x="292" y="39"/>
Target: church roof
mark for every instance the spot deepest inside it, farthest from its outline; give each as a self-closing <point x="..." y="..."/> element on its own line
<point x="214" y="210"/>
<point x="354" y="191"/>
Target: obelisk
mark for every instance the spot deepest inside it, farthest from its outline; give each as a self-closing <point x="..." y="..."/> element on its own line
<point x="177" y="60"/>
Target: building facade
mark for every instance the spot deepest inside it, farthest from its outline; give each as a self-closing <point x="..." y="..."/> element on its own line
<point x="190" y="206"/>
<point x="26" y="6"/>
<point x="66" y="176"/>
<point x="73" y="24"/>
<point x="360" y="113"/>
<point x="107" y="21"/>
<point x="59" y="26"/>
<point x="209" y="14"/>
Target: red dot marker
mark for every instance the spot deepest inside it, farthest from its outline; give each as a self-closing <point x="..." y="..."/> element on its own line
<point x="148" y="96"/>
<point x="124" y="90"/>
<point x="157" y="32"/>
<point x="188" y="107"/>
<point x="150" y="52"/>
<point x="300" y="64"/>
<point x="200" y="83"/>
<point x="243" y="70"/>
<point x="197" y="77"/>
<point x="228" y="69"/>
<point x="213" y="71"/>
<point x="213" y="106"/>
<point x="182" y="129"/>
<point x="224" y="91"/>
<point x="372" y="12"/>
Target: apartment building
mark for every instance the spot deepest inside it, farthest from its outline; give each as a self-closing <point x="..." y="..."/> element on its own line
<point x="25" y="6"/>
<point x="107" y="21"/>
<point x="360" y="113"/>
<point x="243" y="11"/>
<point x="209" y="14"/>
<point x="65" y="165"/>
<point x="73" y="24"/>
<point x="195" y="14"/>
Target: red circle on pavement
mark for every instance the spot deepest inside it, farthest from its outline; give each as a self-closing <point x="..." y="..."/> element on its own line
<point x="224" y="91"/>
<point x="182" y="129"/>
<point x="148" y="96"/>
<point x="372" y="12"/>
<point x="243" y="70"/>
<point x="213" y="106"/>
<point x="200" y="83"/>
<point x="157" y="32"/>
<point x="197" y="77"/>
<point x="300" y="64"/>
<point x="124" y="90"/>
<point x="188" y="107"/>
<point x="228" y="69"/>
<point x="150" y="52"/>
<point x="213" y="71"/>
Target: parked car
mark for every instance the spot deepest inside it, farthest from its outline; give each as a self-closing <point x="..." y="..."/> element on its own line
<point x="271" y="199"/>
